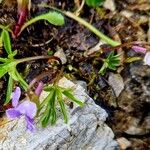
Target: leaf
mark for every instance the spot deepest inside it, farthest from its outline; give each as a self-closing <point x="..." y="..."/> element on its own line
<point x="62" y="105"/>
<point x="47" y="99"/>
<point x="111" y="62"/>
<point x="102" y="71"/>
<point x="1" y="42"/>
<point x="72" y="98"/>
<point x="94" y="3"/>
<point x="21" y="80"/>
<point x="3" y="69"/>
<point x="9" y="90"/>
<point x="46" y="118"/>
<point x="49" y="114"/>
<point x="9" y="66"/>
<point x="6" y="41"/>
<point x="54" y="18"/>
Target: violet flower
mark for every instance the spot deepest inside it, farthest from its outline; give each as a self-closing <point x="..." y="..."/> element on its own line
<point x="39" y="88"/>
<point x="147" y="59"/>
<point x="27" y="109"/>
<point x="139" y="49"/>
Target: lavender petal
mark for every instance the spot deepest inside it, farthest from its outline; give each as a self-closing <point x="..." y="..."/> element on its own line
<point x="139" y="49"/>
<point x="39" y="88"/>
<point x="27" y="108"/>
<point x="30" y="124"/>
<point x="12" y="113"/>
<point x="15" y="96"/>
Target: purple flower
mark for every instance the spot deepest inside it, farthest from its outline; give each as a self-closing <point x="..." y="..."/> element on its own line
<point x="39" y="88"/>
<point x="139" y="49"/>
<point x="27" y="109"/>
<point x="147" y="58"/>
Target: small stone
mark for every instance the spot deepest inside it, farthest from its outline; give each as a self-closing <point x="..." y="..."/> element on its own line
<point x="110" y="4"/>
<point x="116" y="82"/>
<point x="126" y="13"/>
<point x="60" y="54"/>
<point x="123" y="143"/>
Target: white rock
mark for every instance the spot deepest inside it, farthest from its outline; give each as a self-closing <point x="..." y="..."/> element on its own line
<point x="124" y="143"/>
<point x="116" y="82"/>
<point x="110" y="4"/>
<point x="86" y="129"/>
<point x="60" y="54"/>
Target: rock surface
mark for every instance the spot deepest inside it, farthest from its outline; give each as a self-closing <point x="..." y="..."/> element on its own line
<point x="86" y="129"/>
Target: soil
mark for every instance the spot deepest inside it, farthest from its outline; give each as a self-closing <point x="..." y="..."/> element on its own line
<point x="129" y="114"/>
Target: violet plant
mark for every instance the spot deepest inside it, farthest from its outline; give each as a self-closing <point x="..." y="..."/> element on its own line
<point x="26" y="108"/>
<point x="8" y="65"/>
<point x="45" y="111"/>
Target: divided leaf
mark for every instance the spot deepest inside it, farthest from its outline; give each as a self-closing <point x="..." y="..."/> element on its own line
<point x="111" y="62"/>
<point x="49" y="104"/>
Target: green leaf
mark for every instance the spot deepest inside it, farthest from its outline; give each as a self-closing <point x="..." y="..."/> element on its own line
<point x="3" y="60"/>
<point x="49" y="114"/>
<point x="1" y="42"/>
<point x="46" y="117"/>
<point x="9" y="90"/>
<point x="3" y="69"/>
<point x="94" y="3"/>
<point x="102" y="71"/>
<point x="48" y="88"/>
<point x="21" y="80"/>
<point x="72" y="98"/>
<point x="111" y="62"/>
<point x="9" y="66"/>
<point x="6" y="41"/>
<point x="47" y="99"/>
<point x="12" y="54"/>
<point x="62" y="105"/>
<point x="54" y="18"/>
<point x="53" y="109"/>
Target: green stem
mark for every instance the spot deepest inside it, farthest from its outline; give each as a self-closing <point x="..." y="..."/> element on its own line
<point x="37" y="58"/>
<point x="86" y="24"/>
<point x="30" y="22"/>
<point x="93" y="29"/>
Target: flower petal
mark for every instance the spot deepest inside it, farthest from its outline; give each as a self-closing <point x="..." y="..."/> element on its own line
<point x="139" y="49"/>
<point x="15" y="96"/>
<point x="147" y="58"/>
<point x="27" y="108"/>
<point x="30" y="124"/>
<point x="39" y="88"/>
<point x="12" y="113"/>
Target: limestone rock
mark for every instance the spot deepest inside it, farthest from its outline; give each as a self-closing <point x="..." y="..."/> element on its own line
<point x="86" y="129"/>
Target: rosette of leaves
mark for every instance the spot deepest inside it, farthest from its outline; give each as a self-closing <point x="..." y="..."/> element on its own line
<point x="111" y="62"/>
<point x="55" y="96"/>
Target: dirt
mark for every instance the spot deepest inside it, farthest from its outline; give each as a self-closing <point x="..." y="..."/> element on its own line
<point x="129" y="114"/>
